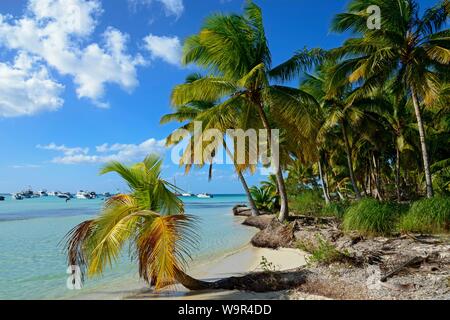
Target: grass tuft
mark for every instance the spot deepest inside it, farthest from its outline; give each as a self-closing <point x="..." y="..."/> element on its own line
<point x="372" y="217"/>
<point x="428" y="216"/>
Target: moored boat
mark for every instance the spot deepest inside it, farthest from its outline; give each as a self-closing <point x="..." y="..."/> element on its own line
<point x="204" y="195"/>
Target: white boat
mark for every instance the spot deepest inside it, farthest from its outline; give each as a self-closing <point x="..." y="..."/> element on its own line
<point x="43" y="193"/>
<point x="83" y="195"/>
<point x="204" y="195"/>
<point x="62" y="195"/>
<point x="186" y="194"/>
<point x="17" y="196"/>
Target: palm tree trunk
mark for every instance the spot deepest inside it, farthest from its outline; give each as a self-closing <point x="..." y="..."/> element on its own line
<point x="397" y="172"/>
<point x="284" y="207"/>
<point x="324" y="189"/>
<point x="350" y="162"/>
<point x="253" y="208"/>
<point x="423" y="145"/>
<point x="256" y="281"/>
<point x="376" y="178"/>
<point x="191" y="283"/>
<point x="327" y="187"/>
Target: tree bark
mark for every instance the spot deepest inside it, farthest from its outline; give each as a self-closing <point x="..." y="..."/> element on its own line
<point x="284" y="207"/>
<point x="254" y="209"/>
<point x="257" y="282"/>
<point x="324" y="189"/>
<point x="376" y="178"/>
<point x="397" y="172"/>
<point x="423" y="145"/>
<point x="350" y="162"/>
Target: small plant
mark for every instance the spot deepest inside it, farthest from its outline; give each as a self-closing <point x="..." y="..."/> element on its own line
<point x="372" y="217"/>
<point x="322" y="251"/>
<point x="266" y="265"/>
<point x="428" y="216"/>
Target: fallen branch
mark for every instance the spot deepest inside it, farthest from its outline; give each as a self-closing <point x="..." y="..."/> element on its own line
<point x="423" y="241"/>
<point x="412" y="261"/>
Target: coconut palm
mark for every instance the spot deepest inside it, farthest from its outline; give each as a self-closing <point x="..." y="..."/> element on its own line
<point x="413" y="49"/>
<point x="233" y="50"/>
<point x="203" y="111"/>
<point x="150" y="217"/>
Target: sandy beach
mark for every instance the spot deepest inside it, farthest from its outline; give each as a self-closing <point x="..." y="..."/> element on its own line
<point x="237" y="263"/>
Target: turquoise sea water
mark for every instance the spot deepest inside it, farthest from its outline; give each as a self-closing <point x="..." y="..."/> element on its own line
<point x="32" y="262"/>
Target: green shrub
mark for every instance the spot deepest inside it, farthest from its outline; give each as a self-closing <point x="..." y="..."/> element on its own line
<point x="428" y="216"/>
<point x="309" y="203"/>
<point x="372" y="217"/>
<point x="334" y="209"/>
<point x="322" y="251"/>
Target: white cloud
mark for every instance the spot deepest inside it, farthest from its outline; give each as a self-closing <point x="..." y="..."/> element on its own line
<point x="26" y="166"/>
<point x="172" y="7"/>
<point x="26" y="88"/>
<point x="62" y="148"/>
<point x="106" y="152"/>
<point x="57" y="33"/>
<point x="165" y="48"/>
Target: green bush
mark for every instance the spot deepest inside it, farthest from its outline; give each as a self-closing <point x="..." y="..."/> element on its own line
<point x="428" y="216"/>
<point x="372" y="217"/>
<point x="334" y="209"/>
<point x="309" y="203"/>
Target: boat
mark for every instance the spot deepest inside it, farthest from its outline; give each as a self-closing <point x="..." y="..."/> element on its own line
<point x="83" y="195"/>
<point x="204" y="195"/>
<point x="2" y="198"/>
<point x="186" y="194"/>
<point x="43" y="193"/>
<point x="17" y="196"/>
<point x="62" y="195"/>
<point x="28" y="193"/>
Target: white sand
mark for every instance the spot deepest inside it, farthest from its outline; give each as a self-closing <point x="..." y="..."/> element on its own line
<point x="238" y="263"/>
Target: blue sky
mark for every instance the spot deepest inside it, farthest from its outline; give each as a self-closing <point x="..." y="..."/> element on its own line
<point x="83" y="81"/>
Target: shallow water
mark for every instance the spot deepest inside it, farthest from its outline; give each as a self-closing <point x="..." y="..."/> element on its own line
<point x="32" y="262"/>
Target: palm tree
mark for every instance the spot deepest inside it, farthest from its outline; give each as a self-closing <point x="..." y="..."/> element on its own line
<point x="150" y="217"/>
<point x="201" y="111"/>
<point x="338" y="109"/>
<point x="409" y="47"/>
<point x="151" y="220"/>
<point x="234" y="50"/>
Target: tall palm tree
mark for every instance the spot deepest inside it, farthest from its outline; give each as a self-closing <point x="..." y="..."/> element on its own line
<point x="201" y="111"/>
<point x="338" y="109"/>
<point x="409" y="47"/>
<point x="234" y="50"/>
<point x="150" y="217"/>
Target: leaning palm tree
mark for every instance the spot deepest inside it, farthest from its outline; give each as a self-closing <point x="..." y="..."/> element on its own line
<point x="233" y="50"/>
<point x="413" y="49"/>
<point x="150" y="217"/>
<point x="211" y="118"/>
<point x="151" y="221"/>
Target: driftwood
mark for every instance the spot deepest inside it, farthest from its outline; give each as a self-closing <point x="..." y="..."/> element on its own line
<point x="414" y="260"/>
